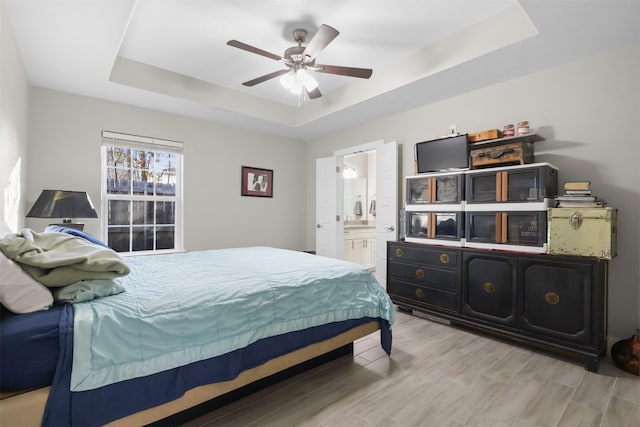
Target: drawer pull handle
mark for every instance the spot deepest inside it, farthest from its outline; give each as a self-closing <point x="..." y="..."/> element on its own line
<point x="444" y="258"/>
<point x="489" y="287"/>
<point x="420" y="273"/>
<point x="552" y="298"/>
<point x="419" y="293"/>
<point x="399" y="252"/>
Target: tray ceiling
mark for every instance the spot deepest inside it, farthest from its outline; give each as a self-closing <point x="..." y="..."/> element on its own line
<point x="172" y="55"/>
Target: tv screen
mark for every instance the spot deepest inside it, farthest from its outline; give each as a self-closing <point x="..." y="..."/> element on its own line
<point x="443" y="154"/>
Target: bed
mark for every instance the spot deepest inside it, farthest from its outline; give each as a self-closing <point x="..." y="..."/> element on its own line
<point x="178" y="330"/>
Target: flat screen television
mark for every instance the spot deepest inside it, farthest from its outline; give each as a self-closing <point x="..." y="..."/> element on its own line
<point x="451" y="153"/>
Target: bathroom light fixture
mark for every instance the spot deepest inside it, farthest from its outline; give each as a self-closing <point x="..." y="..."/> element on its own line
<point x="349" y="172"/>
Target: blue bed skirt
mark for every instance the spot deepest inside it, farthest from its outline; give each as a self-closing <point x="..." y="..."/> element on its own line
<point x="29" y="347"/>
<point x="100" y="406"/>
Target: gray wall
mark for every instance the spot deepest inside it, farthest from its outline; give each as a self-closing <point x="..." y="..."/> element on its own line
<point x="64" y="153"/>
<point x="588" y="112"/>
<point x="14" y="95"/>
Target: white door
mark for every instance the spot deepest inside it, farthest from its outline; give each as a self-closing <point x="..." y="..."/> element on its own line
<point x="326" y="207"/>
<point x="386" y="204"/>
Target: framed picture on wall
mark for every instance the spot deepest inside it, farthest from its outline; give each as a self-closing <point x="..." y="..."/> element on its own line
<point x="256" y="182"/>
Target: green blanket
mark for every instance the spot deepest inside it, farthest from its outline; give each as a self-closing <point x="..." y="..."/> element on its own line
<point x="59" y="259"/>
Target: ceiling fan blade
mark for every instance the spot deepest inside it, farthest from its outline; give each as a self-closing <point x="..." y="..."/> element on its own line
<point x="323" y="37"/>
<point x="265" y="78"/>
<point x="315" y="93"/>
<point x="252" y="49"/>
<point x="363" y="73"/>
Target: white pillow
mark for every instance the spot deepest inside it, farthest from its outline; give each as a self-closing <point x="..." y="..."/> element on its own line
<point x="19" y="292"/>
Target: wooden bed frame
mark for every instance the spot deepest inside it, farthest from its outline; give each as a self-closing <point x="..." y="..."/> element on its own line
<point x="26" y="409"/>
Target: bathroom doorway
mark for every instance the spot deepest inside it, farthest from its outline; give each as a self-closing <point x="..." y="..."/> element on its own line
<point x="359" y="208"/>
<point x="330" y="203"/>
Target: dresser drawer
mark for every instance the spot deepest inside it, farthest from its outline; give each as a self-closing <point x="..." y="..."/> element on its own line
<point x="418" y="295"/>
<point x="441" y="258"/>
<point x="422" y="275"/>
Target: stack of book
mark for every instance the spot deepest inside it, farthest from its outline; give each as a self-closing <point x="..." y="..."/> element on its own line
<point x="577" y="194"/>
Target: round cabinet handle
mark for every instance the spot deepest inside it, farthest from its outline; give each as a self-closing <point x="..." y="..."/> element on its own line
<point x="552" y="298"/>
<point x="489" y="287"/>
<point x="399" y="252"/>
<point x="444" y="258"/>
<point x="419" y="293"/>
<point x="420" y="273"/>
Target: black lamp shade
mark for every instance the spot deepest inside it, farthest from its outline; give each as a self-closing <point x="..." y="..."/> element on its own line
<point x="63" y="204"/>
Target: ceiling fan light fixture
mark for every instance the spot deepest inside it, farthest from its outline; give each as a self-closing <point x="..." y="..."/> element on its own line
<point x="307" y="80"/>
<point x="290" y="82"/>
<point x="295" y="81"/>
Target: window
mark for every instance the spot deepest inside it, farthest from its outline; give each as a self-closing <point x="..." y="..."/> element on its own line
<point x="141" y="193"/>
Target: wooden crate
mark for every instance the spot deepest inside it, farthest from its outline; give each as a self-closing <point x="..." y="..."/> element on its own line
<point x="484" y="135"/>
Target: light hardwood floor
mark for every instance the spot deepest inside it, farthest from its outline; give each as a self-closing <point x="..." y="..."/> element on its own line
<point x="439" y="375"/>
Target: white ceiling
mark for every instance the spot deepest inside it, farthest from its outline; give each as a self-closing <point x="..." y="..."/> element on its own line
<point x="172" y="55"/>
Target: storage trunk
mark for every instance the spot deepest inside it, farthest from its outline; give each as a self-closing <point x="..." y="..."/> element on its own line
<point x="517" y="153"/>
<point x="582" y="231"/>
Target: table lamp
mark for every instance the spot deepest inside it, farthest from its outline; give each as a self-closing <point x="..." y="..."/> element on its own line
<point x="65" y="205"/>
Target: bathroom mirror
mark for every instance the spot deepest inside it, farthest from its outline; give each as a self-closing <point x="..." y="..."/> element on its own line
<point x="355" y="199"/>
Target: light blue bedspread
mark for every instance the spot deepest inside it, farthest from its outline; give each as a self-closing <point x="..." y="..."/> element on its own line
<point x="184" y="307"/>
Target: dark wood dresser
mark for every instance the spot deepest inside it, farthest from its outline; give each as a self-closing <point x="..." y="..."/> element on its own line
<point x="554" y="303"/>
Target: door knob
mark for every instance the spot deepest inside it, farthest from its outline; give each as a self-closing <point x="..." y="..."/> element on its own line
<point x="318" y="226"/>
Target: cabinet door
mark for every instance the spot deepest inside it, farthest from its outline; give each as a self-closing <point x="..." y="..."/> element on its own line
<point x="358" y="251"/>
<point x="483" y="227"/>
<point x="489" y="288"/>
<point x="525" y="228"/>
<point x="369" y="252"/>
<point x="418" y="190"/>
<point x="482" y="187"/>
<point x="522" y="185"/>
<point x="448" y="188"/>
<point x="418" y="224"/>
<point x="351" y="253"/>
<point x="448" y="225"/>
<point x="556" y="299"/>
<point x="530" y="184"/>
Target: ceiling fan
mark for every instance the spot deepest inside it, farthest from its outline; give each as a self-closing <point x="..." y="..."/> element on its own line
<point x="299" y="59"/>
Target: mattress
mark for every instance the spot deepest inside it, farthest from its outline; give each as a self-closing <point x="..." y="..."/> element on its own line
<point x="29" y="348"/>
<point x="99" y="406"/>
